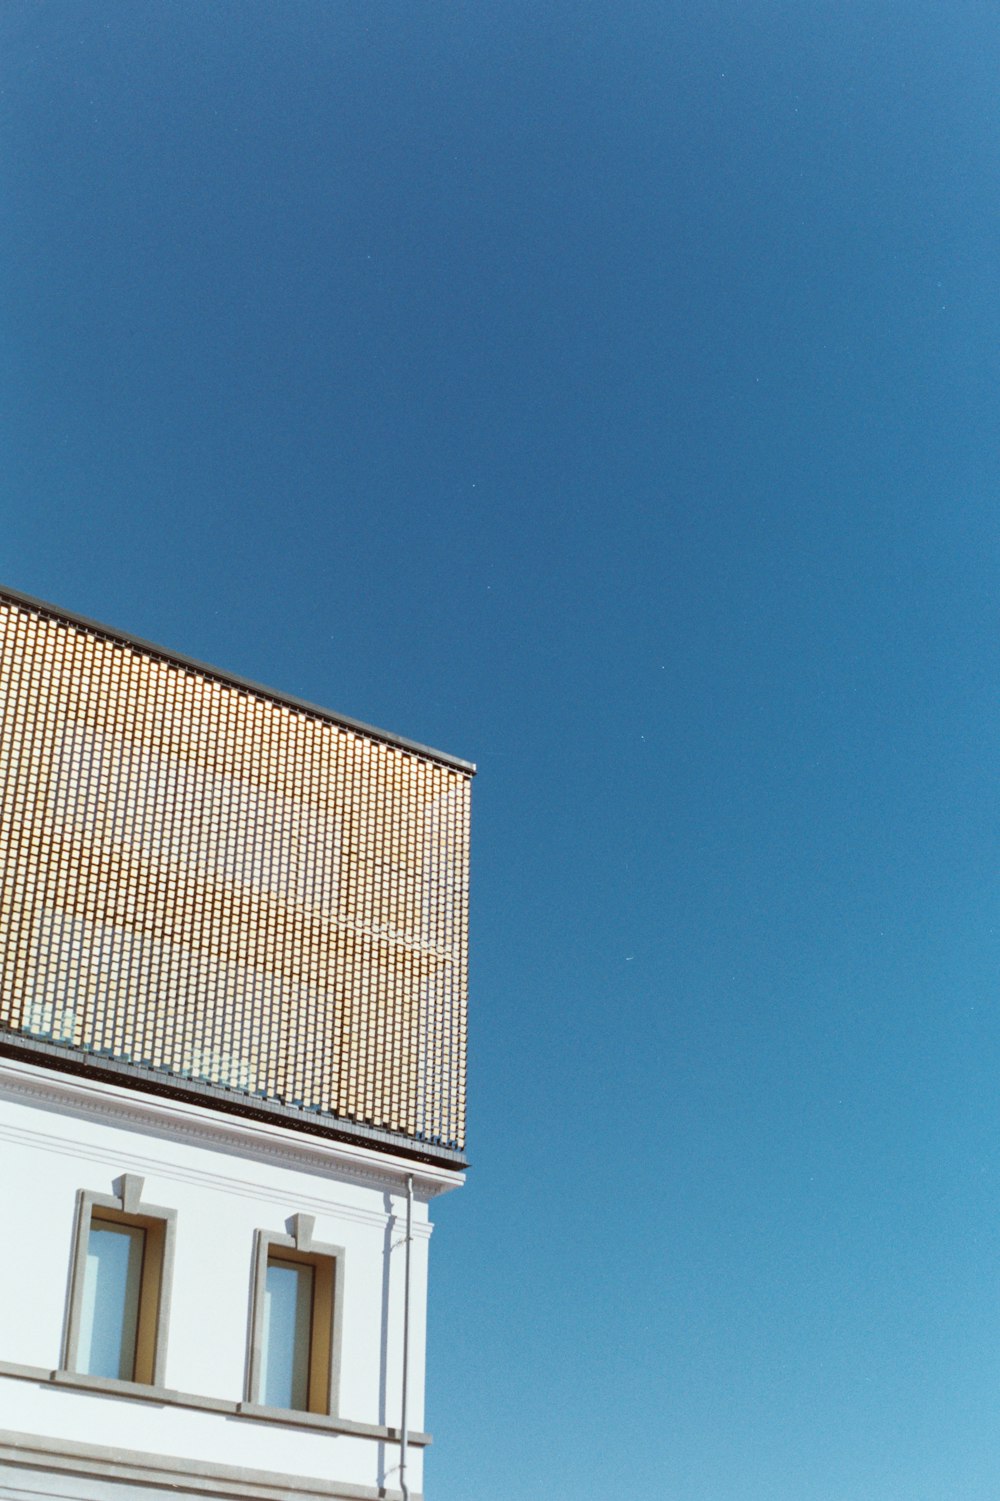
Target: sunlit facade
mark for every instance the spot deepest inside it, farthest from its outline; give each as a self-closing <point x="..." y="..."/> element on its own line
<point x="233" y="949"/>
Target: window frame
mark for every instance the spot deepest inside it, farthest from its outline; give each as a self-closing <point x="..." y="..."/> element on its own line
<point x="326" y="1319"/>
<point x="126" y="1208"/>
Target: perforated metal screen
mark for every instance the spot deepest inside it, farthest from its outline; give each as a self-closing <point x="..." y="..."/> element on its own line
<point x="202" y="879"/>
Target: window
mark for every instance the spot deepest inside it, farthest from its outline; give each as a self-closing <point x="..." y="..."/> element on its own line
<point x="294" y="1336"/>
<point x="295" y="1333"/>
<point x="109" y="1316"/>
<point x="118" y="1298"/>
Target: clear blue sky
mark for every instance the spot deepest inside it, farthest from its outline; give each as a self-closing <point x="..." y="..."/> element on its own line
<point x="606" y="393"/>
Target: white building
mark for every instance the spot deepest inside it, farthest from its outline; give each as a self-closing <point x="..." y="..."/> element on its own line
<point x="232" y="1038"/>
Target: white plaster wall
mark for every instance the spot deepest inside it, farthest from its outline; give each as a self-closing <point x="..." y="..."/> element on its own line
<point x="183" y="1434"/>
<point x="225" y="1179"/>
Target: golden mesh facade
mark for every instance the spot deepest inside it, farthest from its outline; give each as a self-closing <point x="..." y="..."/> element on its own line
<point x="204" y="880"/>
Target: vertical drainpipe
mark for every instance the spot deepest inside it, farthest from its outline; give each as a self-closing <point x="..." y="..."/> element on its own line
<point x="404" y="1433"/>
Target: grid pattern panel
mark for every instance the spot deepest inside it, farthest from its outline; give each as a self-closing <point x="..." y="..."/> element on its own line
<point x="200" y="879"/>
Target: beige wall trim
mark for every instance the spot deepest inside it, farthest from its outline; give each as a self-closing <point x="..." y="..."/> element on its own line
<point x="165" y="1396"/>
<point x="182" y="1476"/>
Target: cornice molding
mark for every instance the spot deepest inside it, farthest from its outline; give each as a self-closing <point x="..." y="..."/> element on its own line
<point x="198" y="1124"/>
<point x="154" y="1167"/>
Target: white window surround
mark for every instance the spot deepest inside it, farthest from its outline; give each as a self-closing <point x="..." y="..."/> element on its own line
<point x="270" y="1245"/>
<point x="126" y="1201"/>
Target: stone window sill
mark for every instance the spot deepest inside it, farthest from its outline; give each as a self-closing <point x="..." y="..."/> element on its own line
<point x="249" y="1411"/>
